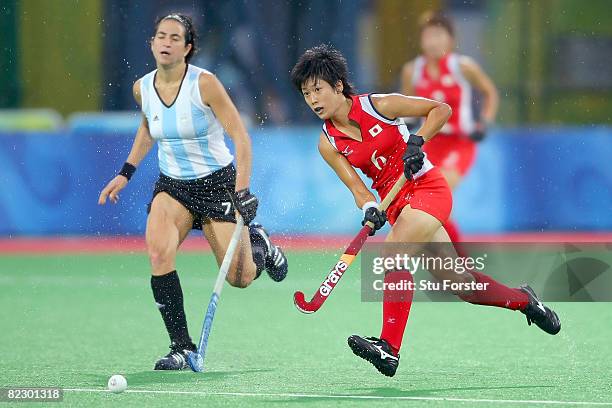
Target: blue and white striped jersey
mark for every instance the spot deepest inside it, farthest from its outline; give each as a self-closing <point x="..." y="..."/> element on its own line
<point x="189" y="137"/>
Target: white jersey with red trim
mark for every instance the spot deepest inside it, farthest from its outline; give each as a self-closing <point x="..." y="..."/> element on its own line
<point x="450" y="87"/>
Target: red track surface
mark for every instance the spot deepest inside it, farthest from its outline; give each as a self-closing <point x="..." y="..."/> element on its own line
<point x="63" y="244"/>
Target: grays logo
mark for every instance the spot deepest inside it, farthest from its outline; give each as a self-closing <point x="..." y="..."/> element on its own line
<point x="333" y="278"/>
<point x="375" y="130"/>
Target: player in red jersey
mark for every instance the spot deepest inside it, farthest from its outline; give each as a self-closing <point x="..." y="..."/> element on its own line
<point x="442" y="75"/>
<point x="368" y="132"/>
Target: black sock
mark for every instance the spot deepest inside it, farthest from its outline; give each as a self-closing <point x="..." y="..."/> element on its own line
<point x="169" y="298"/>
<point x="260" y="251"/>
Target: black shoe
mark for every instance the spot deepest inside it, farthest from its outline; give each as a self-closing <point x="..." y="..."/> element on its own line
<point x="376" y="351"/>
<point x="176" y="359"/>
<point x="540" y="314"/>
<point x="275" y="262"/>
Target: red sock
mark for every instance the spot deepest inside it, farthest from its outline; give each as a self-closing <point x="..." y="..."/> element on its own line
<point x="455" y="236"/>
<point x="396" y="308"/>
<point x="496" y="294"/>
<point x="452" y="230"/>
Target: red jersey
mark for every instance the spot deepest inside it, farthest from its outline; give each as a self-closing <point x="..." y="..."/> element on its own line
<point x="450" y="87"/>
<point x="379" y="154"/>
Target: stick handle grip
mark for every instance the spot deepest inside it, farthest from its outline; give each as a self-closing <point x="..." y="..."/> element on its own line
<point x="386" y="202"/>
<point x="392" y="193"/>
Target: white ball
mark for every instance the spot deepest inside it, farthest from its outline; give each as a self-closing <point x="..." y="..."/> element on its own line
<point x="117" y="383"/>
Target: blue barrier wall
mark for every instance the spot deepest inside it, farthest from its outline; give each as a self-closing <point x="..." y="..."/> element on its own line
<point x="524" y="179"/>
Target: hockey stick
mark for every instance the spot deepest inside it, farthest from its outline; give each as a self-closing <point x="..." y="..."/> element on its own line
<point x="196" y="359"/>
<point x="345" y="260"/>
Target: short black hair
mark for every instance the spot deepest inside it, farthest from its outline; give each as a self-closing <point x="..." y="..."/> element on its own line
<point x="322" y="62"/>
<point x="191" y="35"/>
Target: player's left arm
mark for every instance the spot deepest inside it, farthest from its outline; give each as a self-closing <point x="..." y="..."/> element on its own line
<point x="483" y="83"/>
<point x="397" y="105"/>
<point x="435" y="113"/>
<point x="214" y="95"/>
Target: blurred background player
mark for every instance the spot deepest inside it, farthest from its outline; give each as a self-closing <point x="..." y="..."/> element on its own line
<point x="367" y="132"/>
<point x="445" y="76"/>
<point x="186" y="110"/>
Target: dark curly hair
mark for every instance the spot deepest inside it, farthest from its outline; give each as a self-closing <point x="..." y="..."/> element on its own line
<point x="190" y="33"/>
<point x="322" y="62"/>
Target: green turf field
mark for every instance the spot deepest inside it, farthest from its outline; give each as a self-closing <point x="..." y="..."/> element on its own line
<point x="73" y="320"/>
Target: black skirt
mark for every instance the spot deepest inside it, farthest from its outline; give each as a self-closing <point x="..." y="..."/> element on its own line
<point x="206" y="197"/>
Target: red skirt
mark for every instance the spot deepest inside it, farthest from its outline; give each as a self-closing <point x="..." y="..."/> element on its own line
<point x="429" y="193"/>
<point x="453" y="152"/>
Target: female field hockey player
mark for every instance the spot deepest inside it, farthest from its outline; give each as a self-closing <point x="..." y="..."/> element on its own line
<point x="367" y="132"/>
<point x="186" y="111"/>
<point x="447" y="77"/>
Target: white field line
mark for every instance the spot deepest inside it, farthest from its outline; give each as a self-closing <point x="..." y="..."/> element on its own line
<point x="357" y="397"/>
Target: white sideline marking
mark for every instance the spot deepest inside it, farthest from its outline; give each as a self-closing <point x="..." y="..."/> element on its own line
<point x="331" y="396"/>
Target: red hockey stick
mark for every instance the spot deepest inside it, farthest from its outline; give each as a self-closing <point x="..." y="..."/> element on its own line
<point x="345" y="260"/>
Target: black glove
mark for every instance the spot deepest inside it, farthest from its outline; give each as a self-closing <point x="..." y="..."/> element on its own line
<point x="479" y="133"/>
<point x="376" y="217"/>
<point x="413" y="156"/>
<point x="246" y="204"/>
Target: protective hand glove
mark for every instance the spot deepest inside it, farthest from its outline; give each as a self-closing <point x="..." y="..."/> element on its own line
<point x="413" y="156"/>
<point x="246" y="204"/>
<point x="479" y="133"/>
<point x="372" y="214"/>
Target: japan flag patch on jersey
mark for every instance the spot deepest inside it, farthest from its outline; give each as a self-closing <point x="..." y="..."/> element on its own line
<point x="375" y="130"/>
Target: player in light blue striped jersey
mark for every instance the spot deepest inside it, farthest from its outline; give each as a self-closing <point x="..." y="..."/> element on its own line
<point x="187" y="111"/>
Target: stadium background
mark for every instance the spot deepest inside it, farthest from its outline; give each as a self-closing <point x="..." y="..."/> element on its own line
<point x="544" y="168"/>
<point x="67" y="120"/>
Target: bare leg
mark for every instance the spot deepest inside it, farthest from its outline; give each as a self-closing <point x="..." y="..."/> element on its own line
<point x="242" y="270"/>
<point x="167" y="226"/>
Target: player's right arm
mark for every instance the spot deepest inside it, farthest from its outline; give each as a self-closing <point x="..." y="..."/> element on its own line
<point x="364" y="198"/>
<point x="345" y="172"/>
<point x="406" y="80"/>
<point x="143" y="142"/>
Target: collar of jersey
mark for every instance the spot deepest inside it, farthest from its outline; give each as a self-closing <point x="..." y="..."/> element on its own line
<point x="354" y="115"/>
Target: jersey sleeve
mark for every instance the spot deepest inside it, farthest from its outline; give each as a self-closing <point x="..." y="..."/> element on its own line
<point x="331" y="139"/>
